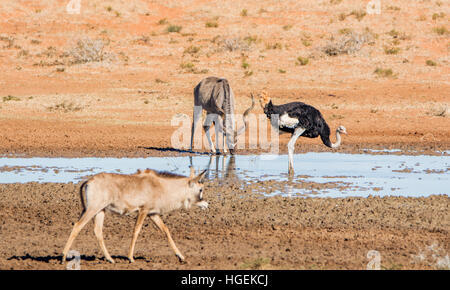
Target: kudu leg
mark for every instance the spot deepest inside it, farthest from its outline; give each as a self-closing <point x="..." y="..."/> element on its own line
<point x="160" y="224"/>
<point x="137" y="228"/>
<point x="196" y="117"/>
<point x="207" y="127"/>
<point x="220" y="133"/>
<point x="85" y="218"/>
<point x="98" y="230"/>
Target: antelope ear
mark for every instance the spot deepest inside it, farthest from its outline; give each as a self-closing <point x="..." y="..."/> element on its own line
<point x="197" y="179"/>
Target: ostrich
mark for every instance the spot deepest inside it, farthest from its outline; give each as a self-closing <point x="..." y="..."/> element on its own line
<point x="300" y="119"/>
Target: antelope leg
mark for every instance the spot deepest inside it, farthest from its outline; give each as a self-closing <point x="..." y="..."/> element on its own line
<point x="85" y="218"/>
<point x="98" y="230"/>
<point x="137" y="228"/>
<point x="160" y="224"/>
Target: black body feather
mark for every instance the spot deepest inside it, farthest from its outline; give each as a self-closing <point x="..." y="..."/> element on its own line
<point x="309" y="118"/>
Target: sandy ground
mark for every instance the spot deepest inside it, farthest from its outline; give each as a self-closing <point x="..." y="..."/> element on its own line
<point x="107" y="81"/>
<point x="240" y="230"/>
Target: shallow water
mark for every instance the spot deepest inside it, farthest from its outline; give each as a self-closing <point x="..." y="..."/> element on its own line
<point x="336" y="174"/>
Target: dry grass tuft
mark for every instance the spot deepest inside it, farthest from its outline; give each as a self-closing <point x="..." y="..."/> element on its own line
<point x="348" y="43"/>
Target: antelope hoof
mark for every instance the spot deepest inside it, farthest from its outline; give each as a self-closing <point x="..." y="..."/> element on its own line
<point x="181" y="258"/>
<point x="111" y="260"/>
<point x="131" y="259"/>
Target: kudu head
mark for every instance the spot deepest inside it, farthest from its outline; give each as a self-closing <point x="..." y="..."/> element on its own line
<point x="233" y="134"/>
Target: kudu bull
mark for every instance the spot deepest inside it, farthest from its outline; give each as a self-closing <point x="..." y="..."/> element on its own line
<point x="215" y="96"/>
<point x="149" y="192"/>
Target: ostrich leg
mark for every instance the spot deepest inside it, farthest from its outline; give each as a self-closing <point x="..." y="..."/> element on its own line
<point x="291" y="145"/>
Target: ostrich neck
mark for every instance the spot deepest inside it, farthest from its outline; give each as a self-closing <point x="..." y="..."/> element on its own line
<point x="338" y="140"/>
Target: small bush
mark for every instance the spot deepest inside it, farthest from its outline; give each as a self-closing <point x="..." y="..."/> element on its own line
<point x="244" y="12"/>
<point x="393" y="8"/>
<point x="431" y="63"/>
<point x="438" y="15"/>
<point x="160" y="81"/>
<point x="383" y="72"/>
<point x="275" y="45"/>
<point x="143" y="40"/>
<point x="348" y="43"/>
<point x="392" y="50"/>
<point x="192" y="49"/>
<point x="233" y="44"/>
<point x="251" y="39"/>
<point x="174" y="28"/>
<point x="306" y="42"/>
<point x="190" y="68"/>
<point x="211" y="24"/>
<point x="245" y="64"/>
<point x="302" y="60"/>
<point x="65" y="107"/>
<point x="359" y="14"/>
<point x="441" y="30"/>
<point x="88" y="50"/>
<point x="438" y="110"/>
<point x="163" y="21"/>
<point x="10" y="98"/>
<point x="345" y="31"/>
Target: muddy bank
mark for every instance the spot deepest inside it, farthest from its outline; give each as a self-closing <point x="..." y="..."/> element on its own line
<point x="240" y="230"/>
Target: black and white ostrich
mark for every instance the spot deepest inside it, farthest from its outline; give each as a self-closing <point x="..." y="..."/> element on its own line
<point x="300" y="119"/>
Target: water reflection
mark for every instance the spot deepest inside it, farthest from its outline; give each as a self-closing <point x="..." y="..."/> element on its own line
<point x="224" y="167"/>
<point x="317" y="174"/>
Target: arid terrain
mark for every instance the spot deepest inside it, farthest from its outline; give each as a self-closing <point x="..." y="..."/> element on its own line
<point x="236" y="232"/>
<point x="107" y="81"/>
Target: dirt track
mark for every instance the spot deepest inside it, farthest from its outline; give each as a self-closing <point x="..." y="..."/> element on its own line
<point x="240" y="230"/>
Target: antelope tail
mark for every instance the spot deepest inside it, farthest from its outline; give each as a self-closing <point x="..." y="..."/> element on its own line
<point x="83" y="202"/>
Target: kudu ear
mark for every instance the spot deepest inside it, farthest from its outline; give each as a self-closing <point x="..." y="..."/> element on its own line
<point x="198" y="179"/>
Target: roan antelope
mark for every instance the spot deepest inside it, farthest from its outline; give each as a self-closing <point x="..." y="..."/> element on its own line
<point x="215" y="96"/>
<point x="149" y="192"/>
